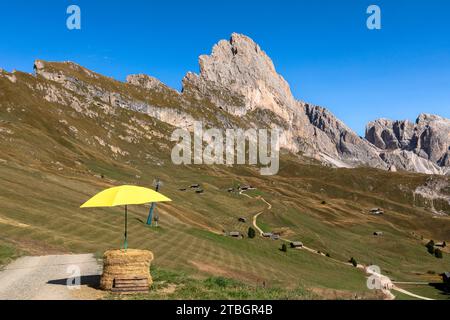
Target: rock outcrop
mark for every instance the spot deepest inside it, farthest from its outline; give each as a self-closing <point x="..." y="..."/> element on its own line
<point x="423" y="146"/>
<point x="350" y="148"/>
<point x="434" y="194"/>
<point x="84" y="87"/>
<point x="149" y="83"/>
<point x="409" y="161"/>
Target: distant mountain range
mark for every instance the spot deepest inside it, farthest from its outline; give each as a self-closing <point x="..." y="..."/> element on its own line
<point x="238" y="87"/>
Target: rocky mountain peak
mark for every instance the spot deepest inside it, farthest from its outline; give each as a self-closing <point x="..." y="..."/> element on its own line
<point x="240" y="78"/>
<point x="426" y="118"/>
<point x="427" y="140"/>
<point x="238" y="60"/>
<point x="39" y="65"/>
<point x="61" y="70"/>
<point x="238" y="67"/>
<point x="390" y="135"/>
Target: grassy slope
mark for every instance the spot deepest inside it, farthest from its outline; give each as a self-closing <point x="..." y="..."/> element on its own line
<point x="47" y="171"/>
<point x="179" y="285"/>
<point x="7" y="253"/>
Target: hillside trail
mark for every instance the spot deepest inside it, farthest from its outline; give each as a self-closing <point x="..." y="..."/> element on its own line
<point x="379" y="277"/>
<point x="410" y="293"/>
<point x="46" y="277"/>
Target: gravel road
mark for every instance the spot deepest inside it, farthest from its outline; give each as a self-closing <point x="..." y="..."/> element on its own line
<point x="45" y="278"/>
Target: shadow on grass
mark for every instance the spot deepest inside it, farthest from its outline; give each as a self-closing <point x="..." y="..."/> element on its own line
<point x="442" y="287"/>
<point x="90" y="281"/>
<point x="140" y="220"/>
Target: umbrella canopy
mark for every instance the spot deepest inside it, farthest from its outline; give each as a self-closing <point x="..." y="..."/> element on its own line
<point x="124" y="196"/>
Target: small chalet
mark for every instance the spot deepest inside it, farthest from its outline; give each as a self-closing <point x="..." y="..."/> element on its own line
<point x="296" y="244"/>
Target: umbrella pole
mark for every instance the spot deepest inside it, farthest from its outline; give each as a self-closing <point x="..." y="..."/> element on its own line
<point x="125" y="244"/>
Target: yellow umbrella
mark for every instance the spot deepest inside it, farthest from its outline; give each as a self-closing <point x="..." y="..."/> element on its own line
<point x="124" y="196"/>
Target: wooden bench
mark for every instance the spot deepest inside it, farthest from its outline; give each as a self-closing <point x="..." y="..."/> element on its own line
<point x="130" y="285"/>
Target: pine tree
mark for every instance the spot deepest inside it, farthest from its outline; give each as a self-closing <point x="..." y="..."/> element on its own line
<point x="353" y="262"/>
<point x="251" y="233"/>
<point x="430" y="247"/>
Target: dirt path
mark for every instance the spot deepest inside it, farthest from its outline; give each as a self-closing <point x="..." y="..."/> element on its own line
<point x="387" y="292"/>
<point x="269" y="207"/>
<point x="45" y="278"/>
<point x="410" y="293"/>
<point x="255" y="224"/>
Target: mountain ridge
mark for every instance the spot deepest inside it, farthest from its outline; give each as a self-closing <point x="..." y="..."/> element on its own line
<point x="239" y="87"/>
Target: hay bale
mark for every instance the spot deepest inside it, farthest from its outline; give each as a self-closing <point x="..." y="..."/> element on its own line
<point x="123" y="264"/>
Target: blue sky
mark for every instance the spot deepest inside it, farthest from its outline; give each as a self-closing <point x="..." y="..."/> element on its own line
<point x="322" y="48"/>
